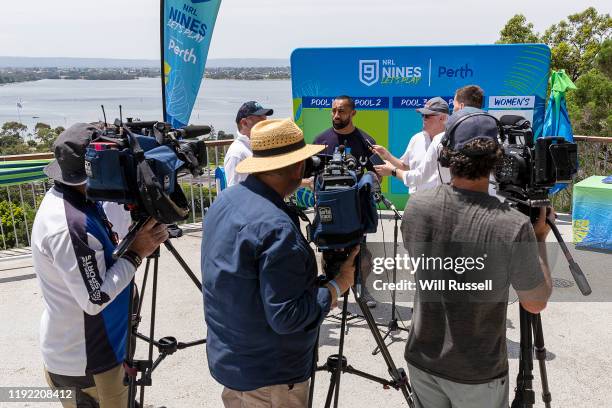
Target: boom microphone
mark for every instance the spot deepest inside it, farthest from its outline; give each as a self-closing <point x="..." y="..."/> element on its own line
<point x="193" y="131"/>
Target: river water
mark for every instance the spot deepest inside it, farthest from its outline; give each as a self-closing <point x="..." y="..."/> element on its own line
<point x="64" y="102"/>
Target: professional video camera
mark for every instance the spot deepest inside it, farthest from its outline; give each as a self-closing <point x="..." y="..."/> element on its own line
<point x="345" y="208"/>
<point x="138" y="163"/>
<point x="530" y="168"/>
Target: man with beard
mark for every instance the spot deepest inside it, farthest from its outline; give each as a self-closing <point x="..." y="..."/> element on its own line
<point x="358" y="143"/>
<point x="344" y="132"/>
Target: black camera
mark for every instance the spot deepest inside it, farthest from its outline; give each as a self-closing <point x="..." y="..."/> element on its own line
<point x="530" y="168"/>
<point x="138" y="164"/>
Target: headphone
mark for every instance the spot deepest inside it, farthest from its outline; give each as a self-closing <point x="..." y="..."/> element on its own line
<point x="449" y="140"/>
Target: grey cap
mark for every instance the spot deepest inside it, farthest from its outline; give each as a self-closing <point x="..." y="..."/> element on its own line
<point x="480" y="125"/>
<point x="69" y="150"/>
<point x="434" y="106"/>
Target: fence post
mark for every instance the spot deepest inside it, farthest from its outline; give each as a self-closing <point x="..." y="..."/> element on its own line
<point x="25" y="217"/>
<point x="8" y="192"/>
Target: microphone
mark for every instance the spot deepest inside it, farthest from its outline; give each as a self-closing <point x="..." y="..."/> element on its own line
<point x="194" y="131"/>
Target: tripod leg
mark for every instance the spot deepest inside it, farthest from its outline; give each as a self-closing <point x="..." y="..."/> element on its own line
<point x="338" y="372"/>
<point x="129" y="362"/>
<point x="183" y="264"/>
<point x="315" y="361"/>
<point x="399" y="377"/>
<point x="540" y="353"/>
<point x="147" y="373"/>
<point x="524" y="396"/>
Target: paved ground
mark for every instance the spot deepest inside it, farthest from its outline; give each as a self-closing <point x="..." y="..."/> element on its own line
<point x="578" y="336"/>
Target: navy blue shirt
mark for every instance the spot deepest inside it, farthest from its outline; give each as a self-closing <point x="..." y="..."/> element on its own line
<point x="354" y="141"/>
<point x="263" y="307"/>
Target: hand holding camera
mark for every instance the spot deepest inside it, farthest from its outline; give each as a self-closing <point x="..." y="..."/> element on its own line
<point x="149" y="238"/>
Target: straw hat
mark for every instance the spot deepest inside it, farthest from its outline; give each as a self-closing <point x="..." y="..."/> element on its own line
<point x="276" y="143"/>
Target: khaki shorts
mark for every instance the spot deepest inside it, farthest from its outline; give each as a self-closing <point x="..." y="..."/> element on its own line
<point x="272" y="396"/>
<point x="104" y="390"/>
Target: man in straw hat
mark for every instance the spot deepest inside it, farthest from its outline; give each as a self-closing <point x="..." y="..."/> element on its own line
<point x="263" y="304"/>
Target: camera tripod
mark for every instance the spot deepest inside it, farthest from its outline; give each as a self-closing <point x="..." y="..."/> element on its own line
<point x="166" y="345"/>
<point x="532" y="339"/>
<point x="337" y="364"/>
<point x="392" y="325"/>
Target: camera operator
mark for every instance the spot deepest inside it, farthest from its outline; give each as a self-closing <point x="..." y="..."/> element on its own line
<point x="84" y="325"/>
<point x="248" y="115"/>
<point x="263" y="306"/>
<point x="344" y="132"/>
<point x="456" y="350"/>
<point x="434" y="115"/>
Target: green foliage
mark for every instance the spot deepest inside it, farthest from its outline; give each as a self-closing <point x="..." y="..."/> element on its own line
<point x="518" y="31"/>
<point x="199" y="193"/>
<point x="46" y="136"/>
<point x="21" y="214"/>
<point x="575" y="42"/>
<point x="590" y="106"/>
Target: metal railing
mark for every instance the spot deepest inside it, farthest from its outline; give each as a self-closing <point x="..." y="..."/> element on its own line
<point x="18" y="203"/>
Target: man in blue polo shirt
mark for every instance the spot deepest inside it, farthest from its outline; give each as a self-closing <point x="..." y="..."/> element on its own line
<point x="263" y="306"/>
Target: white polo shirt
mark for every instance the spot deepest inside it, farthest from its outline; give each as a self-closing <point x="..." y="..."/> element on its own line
<point x="239" y="150"/>
<point x="415" y="153"/>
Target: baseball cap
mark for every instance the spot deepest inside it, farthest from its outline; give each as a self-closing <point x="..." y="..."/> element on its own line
<point x="252" y="108"/>
<point x="434" y="106"/>
<point x="479" y="125"/>
<point x="69" y="151"/>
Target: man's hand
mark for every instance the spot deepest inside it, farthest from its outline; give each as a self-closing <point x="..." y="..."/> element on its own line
<point x="150" y="236"/>
<point x="384" y="169"/>
<point x="382" y="152"/>
<point x="308" y="183"/>
<point x="346" y="276"/>
<point x="541" y="228"/>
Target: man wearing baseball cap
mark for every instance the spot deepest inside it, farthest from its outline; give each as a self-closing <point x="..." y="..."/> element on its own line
<point x="263" y="306"/>
<point x="84" y="325"/>
<point x="248" y="115"/>
<point x="434" y="115"/>
<point x="456" y="349"/>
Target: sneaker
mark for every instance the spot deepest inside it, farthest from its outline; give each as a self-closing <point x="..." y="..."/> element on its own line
<point x="369" y="300"/>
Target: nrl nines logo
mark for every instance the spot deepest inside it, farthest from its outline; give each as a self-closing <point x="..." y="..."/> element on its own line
<point x="369" y="72"/>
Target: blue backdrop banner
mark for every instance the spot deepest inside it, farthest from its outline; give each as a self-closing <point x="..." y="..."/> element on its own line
<point x="390" y="83"/>
<point x="188" y="27"/>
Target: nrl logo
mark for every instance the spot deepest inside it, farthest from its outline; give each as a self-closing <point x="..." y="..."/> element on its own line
<point x="369" y="71"/>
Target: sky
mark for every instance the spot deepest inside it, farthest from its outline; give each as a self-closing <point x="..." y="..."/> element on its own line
<point x="266" y="28"/>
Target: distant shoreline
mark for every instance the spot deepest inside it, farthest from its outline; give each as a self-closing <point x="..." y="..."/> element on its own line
<point x="17" y="75"/>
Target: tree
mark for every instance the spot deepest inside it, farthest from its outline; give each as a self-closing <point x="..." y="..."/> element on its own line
<point x="11" y="139"/>
<point x="45" y="136"/>
<point x="518" y="31"/>
<point x="590" y="106"/>
<point x="576" y="42"/>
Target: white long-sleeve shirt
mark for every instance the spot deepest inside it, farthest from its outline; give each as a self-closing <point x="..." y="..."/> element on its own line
<point x="239" y="150"/>
<point x="429" y="173"/>
<point x="84" y="324"/>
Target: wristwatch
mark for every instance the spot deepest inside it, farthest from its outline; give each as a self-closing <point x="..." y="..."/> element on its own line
<point x="394" y="172"/>
<point x="132" y="257"/>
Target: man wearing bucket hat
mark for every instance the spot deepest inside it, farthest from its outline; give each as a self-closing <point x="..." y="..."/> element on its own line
<point x="263" y="306"/>
<point x="456" y="349"/>
<point x="85" y="292"/>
